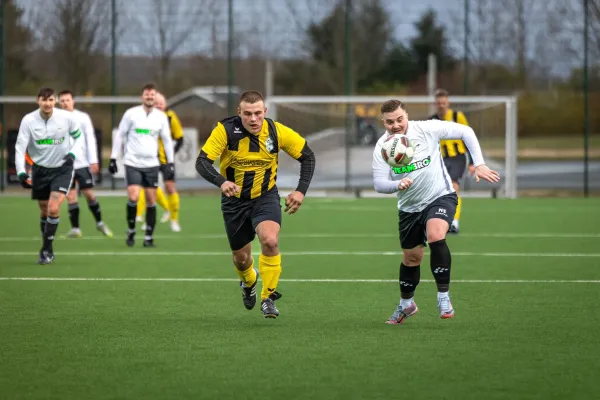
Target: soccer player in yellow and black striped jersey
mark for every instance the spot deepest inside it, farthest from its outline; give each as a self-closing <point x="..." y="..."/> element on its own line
<point x="170" y="203"/>
<point x="248" y="146"/>
<point x="455" y="152"/>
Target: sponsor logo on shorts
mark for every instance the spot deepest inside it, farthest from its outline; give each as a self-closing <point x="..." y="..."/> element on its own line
<point x="442" y="211"/>
<point x="412" y="166"/>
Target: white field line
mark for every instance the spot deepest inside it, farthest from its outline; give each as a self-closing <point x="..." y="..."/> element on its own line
<point x="219" y="236"/>
<point x="151" y="253"/>
<point x="71" y="279"/>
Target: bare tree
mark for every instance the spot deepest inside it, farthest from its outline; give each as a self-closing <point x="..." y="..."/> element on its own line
<point x="172" y="27"/>
<point x="76" y="35"/>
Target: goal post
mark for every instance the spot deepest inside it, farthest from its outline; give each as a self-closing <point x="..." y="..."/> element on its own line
<point x="342" y="131"/>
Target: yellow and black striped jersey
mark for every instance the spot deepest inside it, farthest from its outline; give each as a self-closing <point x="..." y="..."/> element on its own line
<point x="176" y="133"/>
<point x="452" y="148"/>
<point x="251" y="160"/>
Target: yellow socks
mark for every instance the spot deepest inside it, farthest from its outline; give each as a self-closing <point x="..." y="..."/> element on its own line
<point x="457" y="214"/>
<point x="269" y="269"/>
<point x="174" y="206"/>
<point x="161" y="200"/>
<point x="248" y="276"/>
<point x="141" y="204"/>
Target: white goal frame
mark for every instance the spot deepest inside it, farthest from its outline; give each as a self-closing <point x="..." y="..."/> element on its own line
<point x="510" y="102"/>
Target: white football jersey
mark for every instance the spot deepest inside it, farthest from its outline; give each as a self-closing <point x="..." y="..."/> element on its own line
<point x="47" y="141"/>
<point x="89" y="149"/>
<point x="427" y="170"/>
<point x="138" y="135"/>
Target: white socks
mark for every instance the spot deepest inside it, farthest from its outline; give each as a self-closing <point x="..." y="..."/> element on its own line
<point x="405" y="303"/>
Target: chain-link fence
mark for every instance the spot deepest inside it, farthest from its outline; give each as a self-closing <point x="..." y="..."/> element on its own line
<point x="533" y="49"/>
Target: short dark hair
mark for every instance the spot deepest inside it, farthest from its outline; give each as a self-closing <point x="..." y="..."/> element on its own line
<point x="251" y="96"/>
<point x="65" y="92"/>
<point x="149" y="86"/>
<point x="391" y="106"/>
<point x="45" y="92"/>
<point x="441" y="93"/>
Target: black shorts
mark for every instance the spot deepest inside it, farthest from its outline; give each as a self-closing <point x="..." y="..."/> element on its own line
<point x="144" y="177"/>
<point x="45" y="180"/>
<point x="243" y="216"/>
<point x="167" y="176"/>
<point x="84" y="178"/>
<point x="456" y="166"/>
<point x="412" y="226"/>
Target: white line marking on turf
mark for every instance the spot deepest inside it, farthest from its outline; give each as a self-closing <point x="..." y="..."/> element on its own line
<point x="393" y="235"/>
<point x="69" y="279"/>
<point x="290" y="253"/>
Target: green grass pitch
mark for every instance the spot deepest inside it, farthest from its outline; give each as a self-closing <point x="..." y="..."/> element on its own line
<point x="110" y="322"/>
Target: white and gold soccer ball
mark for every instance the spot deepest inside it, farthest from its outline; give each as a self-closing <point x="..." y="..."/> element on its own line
<point x="397" y="150"/>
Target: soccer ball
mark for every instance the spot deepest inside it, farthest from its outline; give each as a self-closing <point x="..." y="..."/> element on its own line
<point x="397" y="150"/>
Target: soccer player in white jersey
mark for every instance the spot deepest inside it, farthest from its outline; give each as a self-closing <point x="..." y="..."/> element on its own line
<point x="426" y="200"/>
<point x="51" y="137"/>
<point x="138" y="134"/>
<point x="86" y="164"/>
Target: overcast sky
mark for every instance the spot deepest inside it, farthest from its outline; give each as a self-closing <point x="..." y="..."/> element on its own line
<point x="276" y="28"/>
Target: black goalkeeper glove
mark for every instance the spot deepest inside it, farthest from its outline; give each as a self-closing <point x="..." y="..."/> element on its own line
<point x="112" y="166"/>
<point x="25" y="180"/>
<point x="169" y="172"/>
<point x="69" y="160"/>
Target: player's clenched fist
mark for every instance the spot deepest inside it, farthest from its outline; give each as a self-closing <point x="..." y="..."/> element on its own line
<point x="230" y="188"/>
<point x="405" y="183"/>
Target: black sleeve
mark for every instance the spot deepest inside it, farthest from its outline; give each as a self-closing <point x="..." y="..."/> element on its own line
<point x="178" y="144"/>
<point x="205" y="168"/>
<point x="307" y="169"/>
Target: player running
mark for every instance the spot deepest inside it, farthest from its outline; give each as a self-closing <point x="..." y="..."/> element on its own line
<point x="426" y="200"/>
<point x="248" y="145"/>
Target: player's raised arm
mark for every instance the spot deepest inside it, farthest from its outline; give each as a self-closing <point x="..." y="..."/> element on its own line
<point x="297" y="147"/>
<point x="212" y="149"/>
<point x="449" y="130"/>
<point x="165" y="135"/>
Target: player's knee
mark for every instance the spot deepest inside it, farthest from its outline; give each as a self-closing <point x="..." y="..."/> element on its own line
<point x="170" y="187"/>
<point x="72" y="197"/>
<point x="269" y="244"/>
<point x="89" y="196"/>
<point x="412" y="258"/>
<point x="53" y="209"/>
<point x="436" y="234"/>
<point x="241" y="260"/>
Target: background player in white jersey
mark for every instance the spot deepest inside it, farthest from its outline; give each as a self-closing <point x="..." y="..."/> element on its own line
<point x="426" y="200"/>
<point x="86" y="164"/>
<point x="138" y="135"/>
<point x="51" y="137"/>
